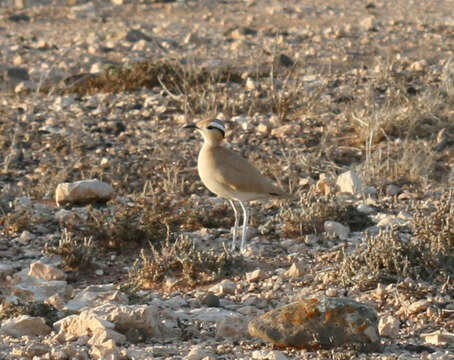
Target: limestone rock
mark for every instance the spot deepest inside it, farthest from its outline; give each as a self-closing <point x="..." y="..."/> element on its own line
<point x="318" y="323"/>
<point x="439" y="338"/>
<point x="197" y="352"/>
<point x="211" y="315"/>
<point x="87" y="324"/>
<point x="255" y="275"/>
<point x="418" y="306"/>
<point x="388" y="326"/>
<point x="268" y="355"/>
<point x="39" y="270"/>
<point x="111" y="322"/>
<point x="349" y="182"/>
<point x="32" y="289"/>
<point x="334" y="227"/>
<point x="232" y="327"/>
<point x="295" y="271"/>
<point x="96" y="295"/>
<point x="224" y="287"/>
<point x="83" y="192"/>
<point x="144" y="318"/>
<point x="25" y="325"/>
<point x="107" y="350"/>
<point x="368" y="23"/>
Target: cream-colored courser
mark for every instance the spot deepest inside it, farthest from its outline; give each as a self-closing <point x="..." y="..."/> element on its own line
<point x="228" y="175"/>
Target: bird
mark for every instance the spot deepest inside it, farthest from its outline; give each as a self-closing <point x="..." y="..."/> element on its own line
<point x="229" y="175"/>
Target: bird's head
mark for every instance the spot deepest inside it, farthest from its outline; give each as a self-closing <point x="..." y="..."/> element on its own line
<point x="212" y="130"/>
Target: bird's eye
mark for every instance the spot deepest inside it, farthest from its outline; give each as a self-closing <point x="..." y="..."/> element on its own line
<point x="210" y="127"/>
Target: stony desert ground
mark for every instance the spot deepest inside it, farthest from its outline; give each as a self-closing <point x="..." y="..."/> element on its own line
<point x="348" y="105"/>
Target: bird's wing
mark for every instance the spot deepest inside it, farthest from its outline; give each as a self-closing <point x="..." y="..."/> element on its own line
<point x="237" y="173"/>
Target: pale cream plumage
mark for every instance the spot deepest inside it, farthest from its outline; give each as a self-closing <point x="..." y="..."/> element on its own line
<point x="228" y="175"/>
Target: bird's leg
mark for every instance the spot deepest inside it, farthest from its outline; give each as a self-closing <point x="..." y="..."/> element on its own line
<point x="235" y="227"/>
<point x="245" y="223"/>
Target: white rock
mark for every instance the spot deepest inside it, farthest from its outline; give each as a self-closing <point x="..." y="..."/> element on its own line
<point x="332" y="292"/>
<point x="224" y="287"/>
<point x="368" y="23"/>
<point x="25" y="325"/>
<point x="349" y="182"/>
<point x="32" y="289"/>
<point x="26" y="237"/>
<point x="88" y="323"/>
<point x="96" y="295"/>
<point x="84" y="191"/>
<point x="418" y="306"/>
<point x="263" y="128"/>
<point x="268" y="355"/>
<point x="420" y="65"/>
<point x="295" y="271"/>
<point x="243" y="121"/>
<point x="39" y="270"/>
<point x="390" y="221"/>
<point x="439" y="338"/>
<point x="106" y="351"/>
<point x="257" y="274"/>
<point x="334" y="227"/>
<point x="388" y="326"/>
<point x="197" y="352"/>
<point x="96" y="68"/>
<point x="232" y="327"/>
<point x="210" y="315"/>
<point x="125" y="317"/>
<point x="251" y="84"/>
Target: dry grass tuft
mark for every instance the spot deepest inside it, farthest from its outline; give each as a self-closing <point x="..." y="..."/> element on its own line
<point x="76" y="253"/>
<point x="310" y="216"/>
<point x="132" y="226"/>
<point x="16" y="222"/>
<point x="387" y="257"/>
<point x="179" y="264"/>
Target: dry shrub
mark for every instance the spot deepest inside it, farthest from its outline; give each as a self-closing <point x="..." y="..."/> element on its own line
<point x="16" y="222"/>
<point x="38" y="309"/>
<point x="129" y="226"/>
<point x="387" y="257"/>
<point x="312" y="213"/>
<point x="76" y="253"/>
<point x="180" y="264"/>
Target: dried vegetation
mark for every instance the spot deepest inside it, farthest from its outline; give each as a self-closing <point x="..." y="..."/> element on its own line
<point x="391" y="257"/>
<point x="176" y="263"/>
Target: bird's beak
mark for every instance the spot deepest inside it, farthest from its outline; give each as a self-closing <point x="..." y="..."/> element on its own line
<point x="190" y="126"/>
